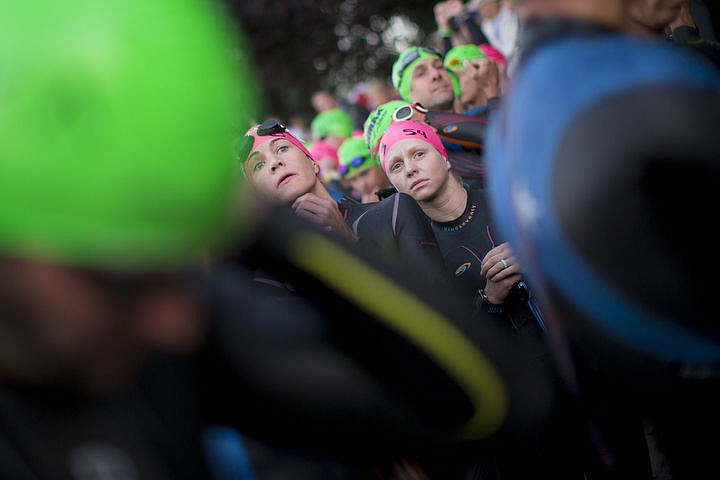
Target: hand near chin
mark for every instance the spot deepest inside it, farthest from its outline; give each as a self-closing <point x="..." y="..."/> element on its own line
<point x="324" y="213"/>
<point x="486" y="73"/>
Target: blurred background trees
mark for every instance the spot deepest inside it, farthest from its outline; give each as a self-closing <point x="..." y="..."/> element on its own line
<point x="300" y="46"/>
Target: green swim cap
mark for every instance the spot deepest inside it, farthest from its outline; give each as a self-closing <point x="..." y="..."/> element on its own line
<point x="377" y="122"/>
<point x="354" y="155"/>
<point x="116" y="127"/>
<point x="405" y="64"/>
<point x="455" y="56"/>
<point x="331" y="122"/>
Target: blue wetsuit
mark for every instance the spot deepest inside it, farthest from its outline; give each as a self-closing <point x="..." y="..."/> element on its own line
<point x="560" y="82"/>
<point x="603" y="154"/>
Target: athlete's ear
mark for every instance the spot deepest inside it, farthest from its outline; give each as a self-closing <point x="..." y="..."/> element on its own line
<point x="448" y="165"/>
<point x="315" y="166"/>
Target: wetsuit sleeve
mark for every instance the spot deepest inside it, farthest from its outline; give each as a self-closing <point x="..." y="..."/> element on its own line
<point x="467" y="131"/>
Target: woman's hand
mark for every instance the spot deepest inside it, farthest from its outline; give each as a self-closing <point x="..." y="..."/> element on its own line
<point x="500" y="268"/>
<point x="324" y="213"/>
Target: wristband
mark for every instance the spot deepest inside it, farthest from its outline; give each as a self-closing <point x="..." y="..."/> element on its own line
<point x="481" y="301"/>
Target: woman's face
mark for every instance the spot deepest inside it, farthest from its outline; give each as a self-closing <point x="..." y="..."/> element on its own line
<point x="280" y="172"/>
<point x="416" y="168"/>
<point x="368" y="181"/>
<point x="89" y="329"/>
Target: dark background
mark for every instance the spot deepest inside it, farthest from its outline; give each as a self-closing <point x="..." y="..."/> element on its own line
<point x="295" y="45"/>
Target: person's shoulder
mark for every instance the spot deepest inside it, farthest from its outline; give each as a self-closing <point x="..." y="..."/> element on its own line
<point x="406" y="200"/>
<point x="478" y="111"/>
<point x="379" y="208"/>
<point x="393" y="201"/>
<point x="594" y="57"/>
<point x="370" y="222"/>
<point x="351" y="208"/>
<point x="568" y="74"/>
<point x="383" y="213"/>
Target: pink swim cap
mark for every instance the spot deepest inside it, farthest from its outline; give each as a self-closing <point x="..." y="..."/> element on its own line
<point x="492" y="53"/>
<point x="275" y="130"/>
<point x="322" y="149"/>
<point x="408" y="129"/>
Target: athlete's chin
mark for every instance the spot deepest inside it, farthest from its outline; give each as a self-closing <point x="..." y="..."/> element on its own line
<point x="442" y="101"/>
<point x="285" y="194"/>
<point x="423" y="195"/>
<point x="444" y="92"/>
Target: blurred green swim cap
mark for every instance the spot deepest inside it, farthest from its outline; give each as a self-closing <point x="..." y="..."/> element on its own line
<point x="377" y="122"/>
<point x="331" y="122"/>
<point x="455" y="57"/>
<point x="116" y="127"/>
<point x="353" y="155"/>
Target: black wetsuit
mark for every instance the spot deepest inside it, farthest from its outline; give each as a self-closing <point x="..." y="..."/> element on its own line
<point x="399" y="229"/>
<point x="151" y="430"/>
<point x="463" y="243"/>
<point x="564" y="449"/>
<point x="360" y="363"/>
<point x="450" y="254"/>
<point x="463" y="137"/>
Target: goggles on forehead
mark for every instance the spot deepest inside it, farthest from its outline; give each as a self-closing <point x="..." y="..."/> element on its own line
<point x="354" y="163"/>
<point x="245" y="143"/>
<point x="406" y="111"/>
<point x="270" y="127"/>
<point x="414" y="54"/>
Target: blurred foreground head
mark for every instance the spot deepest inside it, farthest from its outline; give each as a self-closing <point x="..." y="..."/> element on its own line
<point x="116" y="129"/>
<point x="607" y="225"/>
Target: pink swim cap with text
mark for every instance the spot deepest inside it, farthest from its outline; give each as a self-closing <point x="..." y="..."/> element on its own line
<point x="408" y="130"/>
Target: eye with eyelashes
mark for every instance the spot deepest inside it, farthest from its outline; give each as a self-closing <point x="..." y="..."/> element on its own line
<point x="258" y="165"/>
<point x="395" y="166"/>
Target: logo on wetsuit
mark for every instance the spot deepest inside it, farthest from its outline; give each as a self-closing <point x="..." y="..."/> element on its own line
<point x="462" y="269"/>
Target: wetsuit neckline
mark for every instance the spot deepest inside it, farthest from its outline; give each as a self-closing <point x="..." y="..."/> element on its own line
<point x="463" y="220"/>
